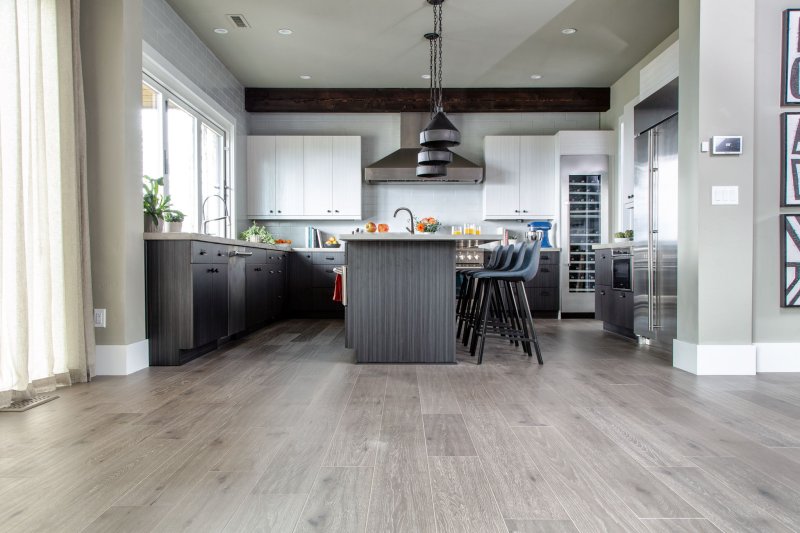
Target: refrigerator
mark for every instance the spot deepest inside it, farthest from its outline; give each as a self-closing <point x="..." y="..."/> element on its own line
<point x="584" y="219"/>
<point x="655" y="217"/>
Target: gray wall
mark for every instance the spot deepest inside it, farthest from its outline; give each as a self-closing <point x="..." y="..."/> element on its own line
<point x="171" y="37"/>
<point x="771" y="323"/>
<point x="112" y="61"/>
<point x="716" y="242"/>
<point x="451" y="203"/>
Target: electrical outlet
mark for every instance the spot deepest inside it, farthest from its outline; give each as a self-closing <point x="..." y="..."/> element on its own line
<point x="99" y="318"/>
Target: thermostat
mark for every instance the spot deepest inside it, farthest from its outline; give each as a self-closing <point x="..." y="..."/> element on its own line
<point x="726" y="145"/>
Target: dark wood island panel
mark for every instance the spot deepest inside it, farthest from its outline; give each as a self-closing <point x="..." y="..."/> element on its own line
<point x="401" y="301"/>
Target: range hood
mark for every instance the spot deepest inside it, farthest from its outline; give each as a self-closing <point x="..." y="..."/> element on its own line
<point x="401" y="166"/>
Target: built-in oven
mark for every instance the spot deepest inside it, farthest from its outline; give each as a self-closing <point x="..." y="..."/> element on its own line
<point x="622" y="269"/>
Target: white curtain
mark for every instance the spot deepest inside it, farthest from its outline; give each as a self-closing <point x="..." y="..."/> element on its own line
<point x="46" y="335"/>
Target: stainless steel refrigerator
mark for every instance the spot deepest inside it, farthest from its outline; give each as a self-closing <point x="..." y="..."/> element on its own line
<point x="655" y="213"/>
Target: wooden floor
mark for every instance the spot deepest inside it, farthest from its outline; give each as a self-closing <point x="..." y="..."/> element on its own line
<point x="281" y="432"/>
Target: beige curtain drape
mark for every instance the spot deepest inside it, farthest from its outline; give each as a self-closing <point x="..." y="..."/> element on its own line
<point x="46" y="332"/>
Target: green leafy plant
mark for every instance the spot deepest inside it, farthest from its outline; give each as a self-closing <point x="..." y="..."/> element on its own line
<point x="174" y="216"/>
<point x="154" y="203"/>
<point x="257" y="231"/>
<point x="627" y="234"/>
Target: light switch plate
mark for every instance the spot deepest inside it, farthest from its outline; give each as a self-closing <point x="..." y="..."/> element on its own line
<point x="725" y="195"/>
<point x="99" y="318"/>
<point x="705" y="146"/>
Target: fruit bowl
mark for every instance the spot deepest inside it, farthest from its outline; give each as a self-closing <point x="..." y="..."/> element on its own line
<point x="337" y="245"/>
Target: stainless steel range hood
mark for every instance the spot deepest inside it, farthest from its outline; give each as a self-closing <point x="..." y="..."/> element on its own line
<point x="401" y="166"/>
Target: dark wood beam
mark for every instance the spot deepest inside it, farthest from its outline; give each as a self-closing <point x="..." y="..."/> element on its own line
<point x="493" y="100"/>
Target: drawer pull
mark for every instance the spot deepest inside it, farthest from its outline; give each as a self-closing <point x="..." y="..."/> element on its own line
<point x="203" y="252"/>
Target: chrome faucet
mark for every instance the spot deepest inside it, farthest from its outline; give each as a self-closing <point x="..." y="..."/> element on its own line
<point x="410" y="215"/>
<point x="203" y="209"/>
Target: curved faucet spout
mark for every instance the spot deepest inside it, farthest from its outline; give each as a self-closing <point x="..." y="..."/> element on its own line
<point x="410" y="229"/>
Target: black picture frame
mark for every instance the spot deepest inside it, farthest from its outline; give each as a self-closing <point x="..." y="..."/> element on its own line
<point x="790" y="159"/>
<point x="790" y="261"/>
<point x="790" y="64"/>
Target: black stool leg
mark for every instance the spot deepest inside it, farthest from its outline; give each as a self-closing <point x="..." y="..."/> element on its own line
<point x="490" y="295"/>
<point x="529" y="316"/>
<point x="521" y="322"/>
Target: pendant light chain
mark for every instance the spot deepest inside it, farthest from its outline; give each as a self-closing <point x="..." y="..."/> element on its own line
<point x="437" y="12"/>
<point x="432" y="76"/>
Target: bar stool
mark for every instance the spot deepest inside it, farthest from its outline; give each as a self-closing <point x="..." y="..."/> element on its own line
<point x="467" y="288"/>
<point x="514" y="304"/>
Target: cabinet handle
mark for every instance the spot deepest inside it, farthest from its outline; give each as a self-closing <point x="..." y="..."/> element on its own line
<point x="271" y="271"/>
<point x="602" y="293"/>
<point x="279" y="211"/>
<point x="524" y="210"/>
<point x="329" y="210"/>
<point x="258" y="269"/>
<point x="280" y="271"/>
<point x="270" y="210"/>
<point x="203" y="252"/>
<point x="335" y="210"/>
<point x="210" y="270"/>
<point x="330" y="258"/>
<point x="546" y="270"/>
<point x="516" y="210"/>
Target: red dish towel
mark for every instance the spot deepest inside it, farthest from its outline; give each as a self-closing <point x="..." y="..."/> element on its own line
<point x="337" y="289"/>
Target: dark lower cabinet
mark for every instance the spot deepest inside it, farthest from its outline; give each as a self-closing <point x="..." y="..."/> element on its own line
<point x="543" y="290"/>
<point x="209" y="303"/>
<point x="613" y="306"/>
<point x="266" y="291"/>
<point x="311" y="282"/>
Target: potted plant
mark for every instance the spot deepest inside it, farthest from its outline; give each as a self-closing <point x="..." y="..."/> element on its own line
<point x="623" y="236"/>
<point x="256" y="233"/>
<point x="154" y="204"/>
<point x="173" y="221"/>
<point x="427" y="225"/>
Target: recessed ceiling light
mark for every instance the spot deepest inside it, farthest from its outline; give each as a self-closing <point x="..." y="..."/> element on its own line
<point x="305" y="77"/>
<point x="426" y="76"/>
<point x="285" y="31"/>
<point x="569" y="31"/>
<point x="536" y="76"/>
<point x="221" y="31"/>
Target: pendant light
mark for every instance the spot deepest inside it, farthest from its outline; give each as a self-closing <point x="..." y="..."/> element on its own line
<point x="440" y="132"/>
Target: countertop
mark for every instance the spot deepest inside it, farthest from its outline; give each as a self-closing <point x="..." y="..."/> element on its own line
<point x="608" y="245"/>
<point x="334" y="250"/>
<point x="175" y="236"/>
<point x="405" y="236"/>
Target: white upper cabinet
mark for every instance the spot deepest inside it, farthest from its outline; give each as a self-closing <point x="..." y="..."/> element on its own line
<point x="521" y="178"/>
<point x="260" y="176"/>
<point x="346" y="183"/>
<point x="297" y="177"/>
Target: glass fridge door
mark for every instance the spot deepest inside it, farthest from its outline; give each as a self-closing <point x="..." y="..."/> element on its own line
<point x="584" y="230"/>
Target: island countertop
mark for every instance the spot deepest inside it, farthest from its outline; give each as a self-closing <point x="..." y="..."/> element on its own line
<point x="421" y="237"/>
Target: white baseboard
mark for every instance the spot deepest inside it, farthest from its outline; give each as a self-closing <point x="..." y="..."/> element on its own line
<point x="121" y="360"/>
<point x="714" y="359"/>
<point x="778" y="356"/>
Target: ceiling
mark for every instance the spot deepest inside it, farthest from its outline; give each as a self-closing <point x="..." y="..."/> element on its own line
<point x="380" y="43"/>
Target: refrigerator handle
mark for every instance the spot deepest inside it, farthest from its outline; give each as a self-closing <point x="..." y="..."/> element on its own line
<point x="654" y="184"/>
<point x="651" y="173"/>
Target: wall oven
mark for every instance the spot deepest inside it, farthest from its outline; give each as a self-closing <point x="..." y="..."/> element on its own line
<point x="622" y="272"/>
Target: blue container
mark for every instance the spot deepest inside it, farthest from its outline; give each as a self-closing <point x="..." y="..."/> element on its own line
<point x="544" y="226"/>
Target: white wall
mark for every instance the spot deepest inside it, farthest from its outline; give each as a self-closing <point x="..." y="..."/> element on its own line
<point x="453" y="204"/>
<point x="166" y="33"/>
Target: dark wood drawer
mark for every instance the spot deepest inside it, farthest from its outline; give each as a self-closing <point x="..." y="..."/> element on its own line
<point x="276" y="258"/>
<point x="328" y="258"/>
<point x="323" y="276"/>
<point x="543" y="299"/>
<point x="547" y="258"/>
<point x="204" y="252"/>
<point x="548" y="276"/>
<point x="259" y="256"/>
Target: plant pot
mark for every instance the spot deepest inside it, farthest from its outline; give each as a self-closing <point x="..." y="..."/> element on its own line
<point x="621" y="239"/>
<point x="173" y="227"/>
<point x="150" y="227"/>
<point x="254" y="238"/>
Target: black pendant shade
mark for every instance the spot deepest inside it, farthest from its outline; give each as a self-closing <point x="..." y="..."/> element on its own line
<point x="433" y="156"/>
<point x="431" y="171"/>
<point x="440" y="133"/>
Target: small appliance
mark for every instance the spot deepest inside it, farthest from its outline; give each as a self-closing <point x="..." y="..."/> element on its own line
<point x="540" y="230"/>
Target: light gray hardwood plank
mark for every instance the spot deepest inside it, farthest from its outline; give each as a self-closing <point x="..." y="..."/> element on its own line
<point x="401" y="500"/>
<point x="522" y="414"/>
<point x="673" y="525"/>
<point x="462" y="499"/>
<point x="718" y="502"/>
<point x="591" y="505"/>
<point x="447" y="435"/>
<point x="518" y="486"/>
<point x="541" y="526"/>
<point x="127" y="519"/>
<point x="338" y="501"/>
<point x="252" y="452"/>
<point x="267" y="513"/>
<point x="436" y="392"/>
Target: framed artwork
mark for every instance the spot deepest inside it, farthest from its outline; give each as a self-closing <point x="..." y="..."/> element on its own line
<point x="790" y="159"/>
<point x="790" y="79"/>
<point x="790" y="260"/>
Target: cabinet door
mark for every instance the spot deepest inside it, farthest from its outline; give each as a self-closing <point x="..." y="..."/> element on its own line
<point x="317" y="176"/>
<point x="603" y="266"/>
<point x="623" y="303"/>
<point x="260" y="176"/>
<point x="537" y="176"/>
<point x="256" y="296"/>
<point x="501" y="187"/>
<point x="601" y="296"/>
<point x="202" y="301"/>
<point x="289" y="176"/>
<point x="346" y="184"/>
<point x="219" y="302"/>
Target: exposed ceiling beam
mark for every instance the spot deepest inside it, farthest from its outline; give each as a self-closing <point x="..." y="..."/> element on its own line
<point x="492" y="100"/>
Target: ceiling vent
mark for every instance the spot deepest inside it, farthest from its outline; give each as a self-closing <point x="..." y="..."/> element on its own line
<point x="238" y="21"/>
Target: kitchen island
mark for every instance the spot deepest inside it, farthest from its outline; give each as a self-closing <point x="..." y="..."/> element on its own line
<point x="400" y="296"/>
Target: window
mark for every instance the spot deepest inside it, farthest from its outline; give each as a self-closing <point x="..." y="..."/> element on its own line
<point x="188" y="149"/>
